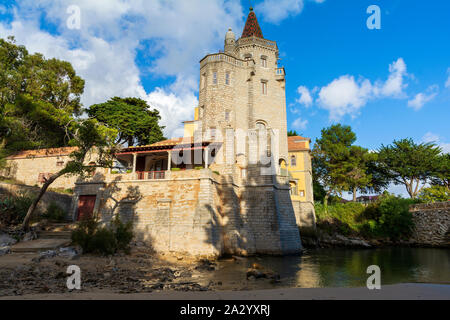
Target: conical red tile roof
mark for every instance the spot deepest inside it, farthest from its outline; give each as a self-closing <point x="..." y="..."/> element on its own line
<point x="252" y="27"/>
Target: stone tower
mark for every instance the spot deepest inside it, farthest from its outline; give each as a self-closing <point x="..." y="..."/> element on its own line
<point x="242" y="90"/>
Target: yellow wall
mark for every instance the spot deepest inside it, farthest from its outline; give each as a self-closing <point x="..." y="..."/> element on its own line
<point x="189" y="129"/>
<point x="300" y="174"/>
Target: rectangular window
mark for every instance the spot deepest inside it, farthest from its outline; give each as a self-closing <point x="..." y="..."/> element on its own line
<point x="302" y="193"/>
<point x="227" y="116"/>
<point x="227" y="78"/>
<point x="264" y="62"/>
<point x="264" y="87"/>
<point x="214" y="77"/>
<point x="60" y="163"/>
<point x="203" y="81"/>
<point x="243" y="173"/>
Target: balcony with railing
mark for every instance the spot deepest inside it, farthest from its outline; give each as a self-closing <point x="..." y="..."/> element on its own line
<point x="151" y="175"/>
<point x="280" y="74"/>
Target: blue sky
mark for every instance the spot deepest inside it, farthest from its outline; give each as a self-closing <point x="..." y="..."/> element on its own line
<point x="387" y="84"/>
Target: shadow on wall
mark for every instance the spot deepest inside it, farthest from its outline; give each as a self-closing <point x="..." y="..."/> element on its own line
<point x="116" y="199"/>
<point x="250" y="219"/>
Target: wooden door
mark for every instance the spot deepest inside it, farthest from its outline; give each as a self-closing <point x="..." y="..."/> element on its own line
<point x="86" y="206"/>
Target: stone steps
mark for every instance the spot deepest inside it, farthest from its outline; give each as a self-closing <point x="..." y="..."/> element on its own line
<point x="55" y="234"/>
<point x="39" y="245"/>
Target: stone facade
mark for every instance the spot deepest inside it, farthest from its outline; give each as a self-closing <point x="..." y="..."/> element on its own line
<point x="431" y="224"/>
<point x="199" y="212"/>
<point x="28" y="167"/>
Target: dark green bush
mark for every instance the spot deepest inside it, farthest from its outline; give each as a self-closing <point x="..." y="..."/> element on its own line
<point x="94" y="238"/>
<point x="123" y="234"/>
<point x="54" y="213"/>
<point x="14" y="209"/>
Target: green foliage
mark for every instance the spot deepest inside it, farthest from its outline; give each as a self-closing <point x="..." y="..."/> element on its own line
<point x="442" y="175"/>
<point x="14" y="209"/>
<point x="410" y="164"/>
<point x="435" y="194"/>
<point x="387" y="218"/>
<point x="94" y="238"/>
<point x="54" y="213"/>
<point x="175" y="169"/>
<point x="292" y="133"/>
<point x="330" y="158"/>
<point x="132" y="118"/>
<point x="38" y="99"/>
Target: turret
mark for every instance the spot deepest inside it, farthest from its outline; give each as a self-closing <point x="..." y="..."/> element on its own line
<point x="230" y="42"/>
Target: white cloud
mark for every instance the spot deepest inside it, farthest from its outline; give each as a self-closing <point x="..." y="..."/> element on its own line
<point x="423" y="97"/>
<point x="344" y="96"/>
<point x="299" y="124"/>
<point x="275" y="11"/>
<point x="394" y="85"/>
<point x="305" y="96"/>
<point x="435" y="138"/>
<point x="175" y="35"/>
<point x="447" y="83"/>
<point x="347" y="95"/>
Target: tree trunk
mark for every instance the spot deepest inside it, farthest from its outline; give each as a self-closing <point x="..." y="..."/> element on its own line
<point x="354" y="194"/>
<point x="32" y="208"/>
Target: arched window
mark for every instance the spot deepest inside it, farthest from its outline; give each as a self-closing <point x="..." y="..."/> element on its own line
<point x="293" y="161"/>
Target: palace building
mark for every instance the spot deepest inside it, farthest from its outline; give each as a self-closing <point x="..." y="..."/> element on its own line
<point x="234" y="184"/>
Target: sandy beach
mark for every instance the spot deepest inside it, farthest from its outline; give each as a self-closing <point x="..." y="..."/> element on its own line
<point x="407" y="291"/>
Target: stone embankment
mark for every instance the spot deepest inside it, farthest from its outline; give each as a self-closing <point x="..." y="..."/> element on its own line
<point x="432" y="224"/>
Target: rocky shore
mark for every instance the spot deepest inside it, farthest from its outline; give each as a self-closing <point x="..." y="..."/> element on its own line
<point x="325" y="240"/>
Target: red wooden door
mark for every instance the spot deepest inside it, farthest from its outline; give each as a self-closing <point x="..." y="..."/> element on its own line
<point x="86" y="206"/>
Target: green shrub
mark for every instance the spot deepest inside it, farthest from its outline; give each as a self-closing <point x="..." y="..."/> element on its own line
<point x="123" y="234"/>
<point x="175" y="169"/>
<point x="435" y="194"/>
<point x="14" y="209"/>
<point x="389" y="217"/>
<point x="103" y="240"/>
<point x="199" y="168"/>
<point x="55" y="213"/>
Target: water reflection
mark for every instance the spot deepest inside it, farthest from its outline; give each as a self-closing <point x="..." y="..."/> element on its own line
<point x="343" y="268"/>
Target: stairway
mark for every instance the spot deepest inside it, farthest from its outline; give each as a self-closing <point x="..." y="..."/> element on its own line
<point x="52" y="237"/>
<point x="57" y="231"/>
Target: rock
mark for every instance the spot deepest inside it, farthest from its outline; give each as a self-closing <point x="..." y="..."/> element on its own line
<point x="29" y="236"/>
<point x="69" y="253"/>
<point x="254" y="273"/>
<point x="359" y="243"/>
<point x="4" y="250"/>
<point x="6" y="240"/>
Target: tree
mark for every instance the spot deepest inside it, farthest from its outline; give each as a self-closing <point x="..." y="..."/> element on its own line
<point x="132" y="118"/>
<point x="330" y="158"/>
<point x="93" y="141"/>
<point x="435" y="193"/>
<point x="442" y="175"/>
<point x="358" y="177"/>
<point x="410" y="164"/>
<point x="292" y="133"/>
<point x="38" y="99"/>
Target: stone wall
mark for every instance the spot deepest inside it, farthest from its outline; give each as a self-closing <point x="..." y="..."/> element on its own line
<point x="62" y="200"/>
<point x="304" y="214"/>
<point x="27" y="170"/>
<point x="200" y="213"/>
<point x="432" y="224"/>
